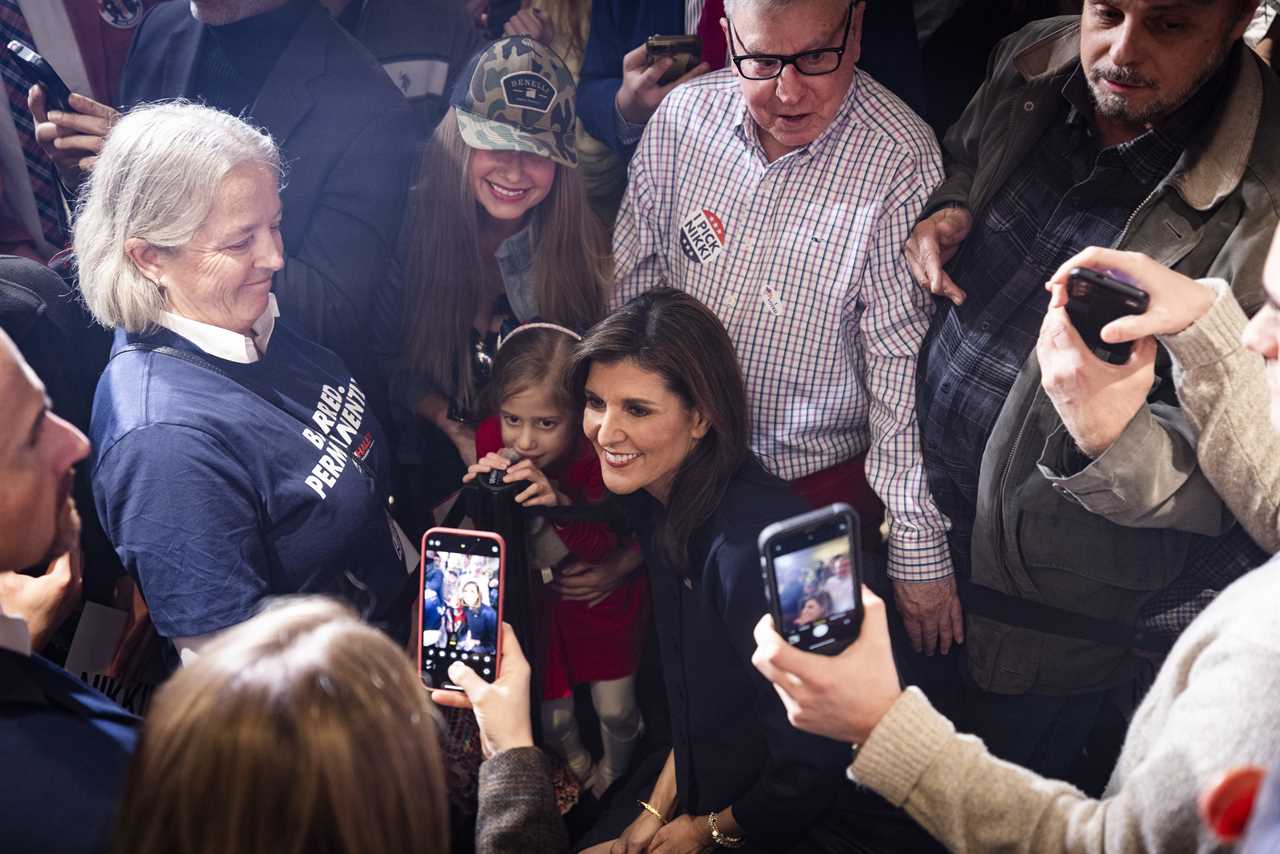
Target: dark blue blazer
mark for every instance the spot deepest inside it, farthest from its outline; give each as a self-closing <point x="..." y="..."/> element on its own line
<point x="64" y="750"/>
<point x="348" y="139"/>
<point x="890" y="53"/>
<point x="732" y="741"/>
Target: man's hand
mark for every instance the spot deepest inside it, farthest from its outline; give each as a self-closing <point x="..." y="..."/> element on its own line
<point x="931" y="612"/>
<point x="73" y="141"/>
<point x="501" y="707"/>
<point x="683" y="835"/>
<point x="640" y="94"/>
<point x="1176" y="301"/>
<point x="530" y="22"/>
<point x="578" y="581"/>
<point x="1095" y="400"/>
<point x="45" y="602"/>
<point x="844" y="697"/>
<point x="933" y="242"/>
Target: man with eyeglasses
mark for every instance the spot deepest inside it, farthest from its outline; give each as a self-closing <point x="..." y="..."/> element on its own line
<point x="780" y="193"/>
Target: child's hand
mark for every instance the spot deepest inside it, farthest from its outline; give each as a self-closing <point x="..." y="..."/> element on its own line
<point x="490" y="462"/>
<point x="540" y="492"/>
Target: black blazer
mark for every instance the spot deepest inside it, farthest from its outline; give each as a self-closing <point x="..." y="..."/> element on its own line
<point x="64" y="750"/>
<point x="732" y="741"/>
<point x="348" y="139"/>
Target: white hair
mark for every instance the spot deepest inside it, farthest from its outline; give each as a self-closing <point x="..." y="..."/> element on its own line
<point x="734" y="7"/>
<point x="155" y="179"/>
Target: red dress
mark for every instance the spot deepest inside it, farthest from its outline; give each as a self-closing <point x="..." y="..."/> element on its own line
<point x="584" y="644"/>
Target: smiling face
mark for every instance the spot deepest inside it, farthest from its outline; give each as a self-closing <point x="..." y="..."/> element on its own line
<point x="36" y="458"/>
<point x="641" y="430"/>
<point x="1145" y="58"/>
<point x="222" y="276"/>
<point x="509" y="184"/>
<point x="792" y="110"/>
<point x="471" y="595"/>
<point x="534" y="426"/>
<point x="1262" y="335"/>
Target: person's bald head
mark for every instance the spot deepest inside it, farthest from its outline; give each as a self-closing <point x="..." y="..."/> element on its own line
<point x="37" y="452"/>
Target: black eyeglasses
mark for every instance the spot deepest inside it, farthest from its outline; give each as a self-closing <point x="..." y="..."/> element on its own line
<point x="813" y="63"/>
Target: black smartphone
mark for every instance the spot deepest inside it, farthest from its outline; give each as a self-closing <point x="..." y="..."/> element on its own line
<point x="462" y="579"/>
<point x="686" y="51"/>
<point x="1095" y="299"/>
<point x="500" y="11"/>
<point x="57" y="96"/>
<point x="813" y="578"/>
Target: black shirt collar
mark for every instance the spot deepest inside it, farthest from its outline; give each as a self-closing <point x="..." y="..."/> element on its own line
<point x="253" y="45"/>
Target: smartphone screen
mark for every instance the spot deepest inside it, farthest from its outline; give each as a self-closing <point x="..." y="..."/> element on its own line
<point x="814" y="579"/>
<point x="462" y="586"/>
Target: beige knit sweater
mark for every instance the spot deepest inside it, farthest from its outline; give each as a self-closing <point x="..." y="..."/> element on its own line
<point x="1215" y="704"/>
<point x="1223" y="392"/>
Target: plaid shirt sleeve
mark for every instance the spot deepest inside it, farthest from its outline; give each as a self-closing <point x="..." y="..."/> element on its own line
<point x="639" y="240"/>
<point x="892" y="316"/>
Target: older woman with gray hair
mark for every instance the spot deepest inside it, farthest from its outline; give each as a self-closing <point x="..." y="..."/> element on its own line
<point x="234" y="459"/>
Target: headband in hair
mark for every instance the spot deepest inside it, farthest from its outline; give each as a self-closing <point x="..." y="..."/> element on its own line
<point x="539" y="325"/>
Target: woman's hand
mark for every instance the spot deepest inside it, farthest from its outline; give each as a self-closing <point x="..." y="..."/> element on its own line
<point x="638" y="835"/>
<point x="1176" y="301"/>
<point x="683" y="835"/>
<point x="842" y="697"/>
<point x="501" y="707"/>
<point x="540" y="492"/>
<point x="582" y="582"/>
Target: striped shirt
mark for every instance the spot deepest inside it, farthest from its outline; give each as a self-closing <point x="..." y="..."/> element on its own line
<point x="802" y="261"/>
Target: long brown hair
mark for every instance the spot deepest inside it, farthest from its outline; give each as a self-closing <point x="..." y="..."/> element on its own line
<point x="302" y="730"/>
<point x="573" y="268"/>
<point x="671" y="334"/>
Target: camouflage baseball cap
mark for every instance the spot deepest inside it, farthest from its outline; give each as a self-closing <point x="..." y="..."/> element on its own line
<point x="517" y="95"/>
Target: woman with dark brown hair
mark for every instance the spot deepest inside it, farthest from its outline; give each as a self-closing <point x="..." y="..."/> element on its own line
<point x="667" y="414"/>
<point x="305" y="730"/>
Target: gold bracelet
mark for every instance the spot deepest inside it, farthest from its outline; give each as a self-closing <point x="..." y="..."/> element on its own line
<point x="720" y="838"/>
<point x="653" y="811"/>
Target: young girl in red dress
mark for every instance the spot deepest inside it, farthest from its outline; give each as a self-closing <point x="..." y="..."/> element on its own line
<point x="598" y="643"/>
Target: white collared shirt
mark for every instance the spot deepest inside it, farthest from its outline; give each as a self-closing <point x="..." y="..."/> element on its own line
<point x="14" y="635"/>
<point x="224" y="343"/>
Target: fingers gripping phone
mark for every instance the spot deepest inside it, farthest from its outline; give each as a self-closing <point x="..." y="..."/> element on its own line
<point x="36" y="69"/>
<point x="812" y="568"/>
<point x="462" y="579"/>
<point x="685" y="51"/>
<point x="1095" y="299"/>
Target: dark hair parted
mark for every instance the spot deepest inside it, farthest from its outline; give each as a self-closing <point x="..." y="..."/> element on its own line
<point x="671" y="334"/>
<point x="529" y="359"/>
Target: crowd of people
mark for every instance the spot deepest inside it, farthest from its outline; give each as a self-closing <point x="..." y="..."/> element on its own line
<point x="285" y="278"/>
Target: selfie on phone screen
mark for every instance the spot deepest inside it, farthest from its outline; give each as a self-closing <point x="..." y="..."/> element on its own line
<point x="461" y="603"/>
<point x="816" y="588"/>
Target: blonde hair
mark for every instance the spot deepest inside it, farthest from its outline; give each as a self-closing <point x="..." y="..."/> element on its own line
<point x="155" y="179"/>
<point x="302" y="730"/>
<point x="573" y="268"/>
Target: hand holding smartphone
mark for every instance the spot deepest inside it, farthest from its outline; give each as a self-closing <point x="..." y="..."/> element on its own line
<point x="462" y="579"/>
<point x="812" y="566"/>
<point x="1095" y="299"/>
<point x="685" y="51"/>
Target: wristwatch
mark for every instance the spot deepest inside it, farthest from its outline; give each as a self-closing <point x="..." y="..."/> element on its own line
<point x="721" y="839"/>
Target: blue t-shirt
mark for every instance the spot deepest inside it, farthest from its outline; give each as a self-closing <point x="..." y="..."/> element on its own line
<point x="219" y="486"/>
